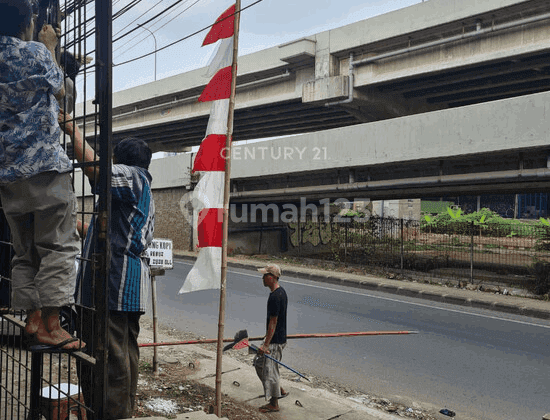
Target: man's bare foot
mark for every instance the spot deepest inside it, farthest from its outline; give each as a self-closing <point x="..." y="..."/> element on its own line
<point x="269" y="408"/>
<point x="50" y="332"/>
<point x="34" y="319"/>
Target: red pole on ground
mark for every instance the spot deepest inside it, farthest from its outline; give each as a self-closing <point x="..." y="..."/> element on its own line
<point x="289" y="337"/>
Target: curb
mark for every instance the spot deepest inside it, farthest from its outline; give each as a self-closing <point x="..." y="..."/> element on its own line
<point x="404" y="291"/>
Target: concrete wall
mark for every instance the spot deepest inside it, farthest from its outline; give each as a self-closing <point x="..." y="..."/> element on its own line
<point x="169" y="221"/>
<point x="171" y="181"/>
<point x="508" y="124"/>
<point x="249" y="243"/>
<point x="398" y="209"/>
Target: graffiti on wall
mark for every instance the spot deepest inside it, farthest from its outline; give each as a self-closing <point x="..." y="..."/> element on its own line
<point x="311" y="232"/>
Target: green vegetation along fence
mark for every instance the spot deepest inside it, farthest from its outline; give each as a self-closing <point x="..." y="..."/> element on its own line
<point x="476" y="248"/>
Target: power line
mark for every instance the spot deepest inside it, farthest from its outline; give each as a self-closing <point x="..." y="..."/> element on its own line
<point x="147" y="11"/>
<point x="151" y="26"/>
<point x="184" y="38"/>
<point x="147" y="21"/>
<point x="155" y="29"/>
<point x="92" y="70"/>
<point x="89" y="32"/>
<point x="183" y="11"/>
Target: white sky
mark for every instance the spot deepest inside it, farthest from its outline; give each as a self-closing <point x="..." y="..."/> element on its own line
<point x="266" y="24"/>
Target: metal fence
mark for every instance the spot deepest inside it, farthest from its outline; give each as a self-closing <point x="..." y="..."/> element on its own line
<point x="464" y="251"/>
<point x="36" y="385"/>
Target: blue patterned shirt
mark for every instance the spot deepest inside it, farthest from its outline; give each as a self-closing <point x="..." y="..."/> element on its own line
<point x="132" y="227"/>
<point x="29" y="131"/>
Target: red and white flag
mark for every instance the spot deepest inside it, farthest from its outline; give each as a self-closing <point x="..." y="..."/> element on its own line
<point x="210" y="160"/>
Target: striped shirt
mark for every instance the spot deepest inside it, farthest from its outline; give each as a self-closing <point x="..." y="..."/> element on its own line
<point x="132" y="227"/>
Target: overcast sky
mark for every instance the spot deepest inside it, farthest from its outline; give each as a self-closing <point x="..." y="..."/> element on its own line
<point x="265" y="24"/>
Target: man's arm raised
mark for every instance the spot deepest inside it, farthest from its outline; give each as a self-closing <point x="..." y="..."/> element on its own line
<point x="83" y="152"/>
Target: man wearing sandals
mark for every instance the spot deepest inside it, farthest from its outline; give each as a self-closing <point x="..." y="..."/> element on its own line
<point x="35" y="176"/>
<point x="275" y="339"/>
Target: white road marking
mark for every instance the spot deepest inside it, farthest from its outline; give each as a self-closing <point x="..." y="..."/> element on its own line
<point x="395" y="300"/>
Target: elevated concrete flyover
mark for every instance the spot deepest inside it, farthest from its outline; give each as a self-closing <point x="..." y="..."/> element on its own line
<point x="432" y="56"/>
<point x="496" y="147"/>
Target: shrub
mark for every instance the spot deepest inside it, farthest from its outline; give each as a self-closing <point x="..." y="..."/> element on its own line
<point x="543" y="234"/>
<point x="486" y="222"/>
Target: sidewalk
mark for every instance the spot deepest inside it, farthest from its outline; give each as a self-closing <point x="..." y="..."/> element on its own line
<point x="305" y="402"/>
<point x="241" y="383"/>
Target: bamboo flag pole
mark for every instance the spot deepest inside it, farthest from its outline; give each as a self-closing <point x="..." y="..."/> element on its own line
<point x="226" y="193"/>
<point x="288" y="337"/>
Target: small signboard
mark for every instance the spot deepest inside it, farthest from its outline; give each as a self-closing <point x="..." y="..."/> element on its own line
<point x="160" y="254"/>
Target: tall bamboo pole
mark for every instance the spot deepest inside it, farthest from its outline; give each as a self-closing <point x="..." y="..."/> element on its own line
<point x="221" y="320"/>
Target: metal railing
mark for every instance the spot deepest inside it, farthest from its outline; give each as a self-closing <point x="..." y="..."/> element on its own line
<point x="49" y="384"/>
<point x="463" y="251"/>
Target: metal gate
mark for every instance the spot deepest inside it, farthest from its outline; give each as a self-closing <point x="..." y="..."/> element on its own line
<point x="35" y="384"/>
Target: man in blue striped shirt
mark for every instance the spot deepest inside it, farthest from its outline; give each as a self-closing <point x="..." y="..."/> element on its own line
<point x="131" y="232"/>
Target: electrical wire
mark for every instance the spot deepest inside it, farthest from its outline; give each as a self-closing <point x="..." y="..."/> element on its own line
<point x="71" y="6"/>
<point x="89" y="32"/>
<point x="148" y="21"/>
<point x="92" y="70"/>
<point x="184" y="38"/>
<point x="183" y="11"/>
<point x="141" y="34"/>
<point x="170" y="9"/>
<point x="144" y="13"/>
<point x="152" y="29"/>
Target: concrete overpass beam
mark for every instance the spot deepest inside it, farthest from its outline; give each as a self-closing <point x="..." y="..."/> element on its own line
<point x="326" y="89"/>
<point x="326" y="65"/>
<point x="328" y="84"/>
<point x="369" y="104"/>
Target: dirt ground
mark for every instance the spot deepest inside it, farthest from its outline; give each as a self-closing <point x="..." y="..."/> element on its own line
<point x="171" y="391"/>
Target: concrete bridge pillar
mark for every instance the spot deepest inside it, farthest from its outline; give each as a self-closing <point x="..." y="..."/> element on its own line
<point x="328" y="84"/>
<point x="326" y="65"/>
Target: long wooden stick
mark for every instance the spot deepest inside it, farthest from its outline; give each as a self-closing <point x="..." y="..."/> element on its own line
<point x="344" y="334"/>
<point x="226" y="193"/>
<point x="292" y="336"/>
<point x="155" y="323"/>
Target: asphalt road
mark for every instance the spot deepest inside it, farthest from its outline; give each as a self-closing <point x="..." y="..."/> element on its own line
<point x="478" y="363"/>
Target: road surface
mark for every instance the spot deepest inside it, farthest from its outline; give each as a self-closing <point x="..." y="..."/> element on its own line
<point x="479" y="363"/>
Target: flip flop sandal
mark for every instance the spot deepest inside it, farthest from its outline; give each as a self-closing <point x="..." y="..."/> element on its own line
<point x="268" y="409"/>
<point x="284" y="395"/>
<point x="55" y="348"/>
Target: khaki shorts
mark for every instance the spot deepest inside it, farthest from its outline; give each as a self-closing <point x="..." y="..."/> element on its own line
<point x="41" y="213"/>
